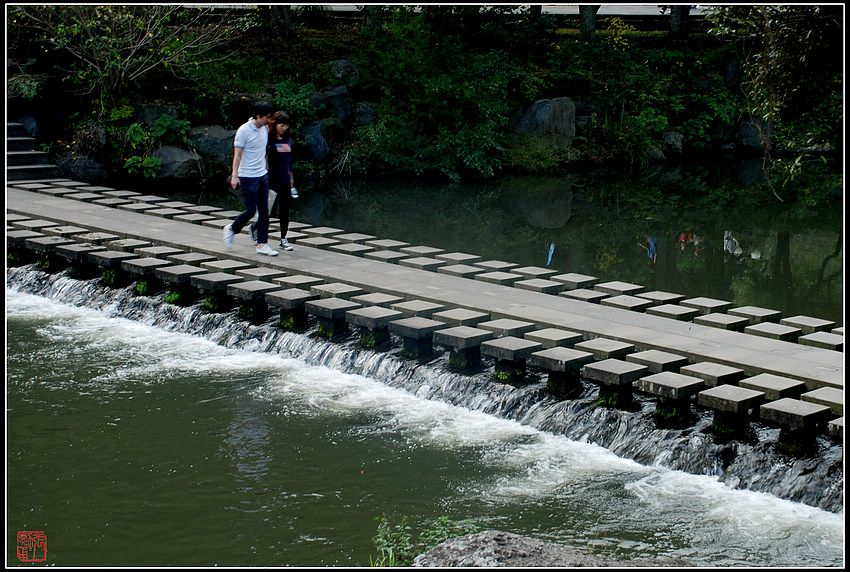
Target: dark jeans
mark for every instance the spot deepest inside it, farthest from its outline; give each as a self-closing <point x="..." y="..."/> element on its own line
<point x="284" y="201"/>
<point x="255" y="195"/>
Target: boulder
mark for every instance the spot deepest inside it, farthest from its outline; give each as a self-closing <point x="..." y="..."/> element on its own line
<point x="337" y="100"/>
<point x="213" y="142"/>
<point x="314" y="138"/>
<point x="548" y="120"/>
<point x="494" y="548"/>
<point x="148" y="113"/>
<point x="177" y="163"/>
<point x="83" y="168"/>
<point x="346" y="72"/>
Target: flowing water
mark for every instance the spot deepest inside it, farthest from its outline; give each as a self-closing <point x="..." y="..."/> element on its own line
<point x="142" y="433"/>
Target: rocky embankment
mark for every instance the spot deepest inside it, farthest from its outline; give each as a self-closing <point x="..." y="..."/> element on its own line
<point x="493" y="548"/>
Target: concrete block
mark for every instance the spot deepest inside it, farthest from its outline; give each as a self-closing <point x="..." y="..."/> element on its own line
<point x="422" y="251"/>
<point x="673" y="311"/>
<point x="559" y="359"/>
<point x="794" y="413"/>
<point x="603" y="348"/>
<point x="657" y="361"/>
<point x="251" y="290"/>
<point x="670" y="385"/>
<point x="585" y="295"/>
<point x="422" y="263"/>
<point x="613" y="372"/>
<point x="829" y="396"/>
<point x="461" y="337"/>
<point x="722" y="321"/>
<point x="823" y="340"/>
<point x="534" y="271"/>
<point x="214" y="281"/>
<point x="509" y="348"/>
<point x="730" y="399"/>
<point x="506" y="327"/>
<point x="417" y="308"/>
<point x="755" y="314"/>
<point x="626" y="302"/>
<point x="498" y="277"/>
<point x="390" y="256"/>
<point x="714" y="374"/>
<point x="617" y="288"/>
<point x="774" y="331"/>
<point x="496" y="265"/>
<point x="659" y="298"/>
<point x="574" y="281"/>
<point x="807" y="324"/>
<point x="554" y="337"/>
<point x="372" y="317"/>
<point x="336" y="290"/>
<point x="774" y="386"/>
<point x="377" y="299"/>
<point x="461" y="258"/>
<point x="461" y="270"/>
<point x="179" y="274"/>
<point x="707" y="305"/>
<point x="298" y="281"/>
<point x="540" y="285"/>
<point x="460" y="317"/>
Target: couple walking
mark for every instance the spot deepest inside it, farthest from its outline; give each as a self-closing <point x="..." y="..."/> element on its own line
<point x="262" y="159"/>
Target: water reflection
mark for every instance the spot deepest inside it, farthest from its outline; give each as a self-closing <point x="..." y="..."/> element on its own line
<point x="741" y="253"/>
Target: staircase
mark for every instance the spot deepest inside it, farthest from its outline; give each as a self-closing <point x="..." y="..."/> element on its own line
<point x="23" y="162"/>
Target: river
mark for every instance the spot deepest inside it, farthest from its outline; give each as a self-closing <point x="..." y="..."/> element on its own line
<point x="145" y="434"/>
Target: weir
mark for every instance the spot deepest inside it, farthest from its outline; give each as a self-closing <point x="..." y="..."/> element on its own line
<point x="463" y="300"/>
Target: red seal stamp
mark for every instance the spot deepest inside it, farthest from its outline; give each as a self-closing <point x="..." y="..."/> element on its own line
<point x="32" y="546"/>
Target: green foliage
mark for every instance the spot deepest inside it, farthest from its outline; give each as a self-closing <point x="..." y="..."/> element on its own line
<point x="171" y="131"/>
<point x="295" y="99"/>
<point x="114" y="47"/>
<point x="149" y="167"/>
<point x="25" y="85"/>
<point x="525" y="153"/>
<point x="441" y="109"/>
<point x="397" y="547"/>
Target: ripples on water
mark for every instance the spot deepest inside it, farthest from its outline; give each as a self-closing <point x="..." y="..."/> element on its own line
<point x="464" y="443"/>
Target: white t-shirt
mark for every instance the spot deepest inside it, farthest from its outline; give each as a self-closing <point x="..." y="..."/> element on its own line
<point x="252" y="140"/>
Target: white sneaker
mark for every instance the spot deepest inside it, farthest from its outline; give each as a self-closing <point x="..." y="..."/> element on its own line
<point x="284" y="244"/>
<point x="228" y="237"/>
<point x="267" y="250"/>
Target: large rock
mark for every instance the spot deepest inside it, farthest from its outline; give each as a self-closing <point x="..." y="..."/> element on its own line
<point x="213" y="142"/>
<point x="548" y="120"/>
<point x="177" y="163"/>
<point x="314" y="138"/>
<point x="493" y="548"/>
<point x="337" y="100"/>
<point x="83" y="168"/>
<point x="346" y="72"/>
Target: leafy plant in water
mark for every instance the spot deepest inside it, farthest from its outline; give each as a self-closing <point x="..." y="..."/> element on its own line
<point x="397" y="547"/>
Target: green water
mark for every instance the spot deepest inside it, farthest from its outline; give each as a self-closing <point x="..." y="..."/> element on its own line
<point x="129" y="445"/>
<point x="789" y="258"/>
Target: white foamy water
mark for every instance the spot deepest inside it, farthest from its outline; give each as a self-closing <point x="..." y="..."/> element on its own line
<point x="524" y="467"/>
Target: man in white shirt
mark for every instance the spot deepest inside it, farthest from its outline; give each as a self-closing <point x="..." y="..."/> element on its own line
<point x="251" y="174"/>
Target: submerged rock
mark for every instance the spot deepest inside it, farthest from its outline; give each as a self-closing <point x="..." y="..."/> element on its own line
<point x="494" y="548"/>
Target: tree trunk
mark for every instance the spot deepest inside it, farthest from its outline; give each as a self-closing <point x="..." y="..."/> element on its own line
<point x="679" y="19"/>
<point x="587" y="24"/>
<point x="372" y="17"/>
<point x="280" y="20"/>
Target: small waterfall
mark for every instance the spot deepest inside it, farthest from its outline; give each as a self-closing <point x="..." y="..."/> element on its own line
<point x="755" y="465"/>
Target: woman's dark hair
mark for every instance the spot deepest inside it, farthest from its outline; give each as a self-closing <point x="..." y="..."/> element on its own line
<point x="280" y="117"/>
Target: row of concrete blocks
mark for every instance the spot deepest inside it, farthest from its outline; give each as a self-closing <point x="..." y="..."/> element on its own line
<point x="701" y="310"/>
<point x="513" y="344"/>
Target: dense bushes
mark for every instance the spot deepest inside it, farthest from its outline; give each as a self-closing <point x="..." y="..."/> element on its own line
<point x="445" y="81"/>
